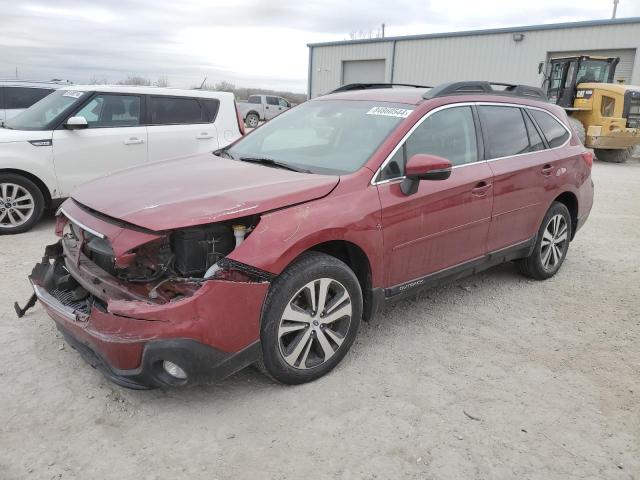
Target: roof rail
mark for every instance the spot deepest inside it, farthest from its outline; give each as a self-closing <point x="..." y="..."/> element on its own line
<point x="367" y="86"/>
<point x="476" y="87"/>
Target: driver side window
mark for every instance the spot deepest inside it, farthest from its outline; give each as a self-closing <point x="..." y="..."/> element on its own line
<point x="449" y="133"/>
<point x="111" y="111"/>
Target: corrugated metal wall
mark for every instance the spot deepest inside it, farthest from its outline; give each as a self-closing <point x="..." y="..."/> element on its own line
<point x="495" y="56"/>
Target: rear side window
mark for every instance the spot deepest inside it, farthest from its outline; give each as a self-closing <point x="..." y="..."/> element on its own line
<point x="535" y="140"/>
<point x="176" y="110"/>
<point x="254" y="99"/>
<point x="505" y="131"/>
<point x="211" y="106"/>
<point x="22" y="97"/>
<point x="555" y="133"/>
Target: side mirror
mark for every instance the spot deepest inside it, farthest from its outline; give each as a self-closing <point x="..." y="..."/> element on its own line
<point x="76" y="123"/>
<point x="424" y="167"/>
<point x="540" y="67"/>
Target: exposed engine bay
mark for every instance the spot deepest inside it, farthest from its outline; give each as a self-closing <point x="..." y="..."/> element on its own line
<point x="172" y="267"/>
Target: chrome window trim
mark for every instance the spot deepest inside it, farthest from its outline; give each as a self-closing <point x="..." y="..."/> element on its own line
<point x="80" y="224"/>
<point x="465" y="104"/>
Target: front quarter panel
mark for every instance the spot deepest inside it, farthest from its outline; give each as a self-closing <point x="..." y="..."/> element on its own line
<point x="350" y="213"/>
<point x="36" y="160"/>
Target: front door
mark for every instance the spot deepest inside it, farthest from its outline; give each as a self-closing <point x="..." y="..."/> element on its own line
<point x="445" y="223"/>
<point x="114" y="140"/>
<point x="271" y="107"/>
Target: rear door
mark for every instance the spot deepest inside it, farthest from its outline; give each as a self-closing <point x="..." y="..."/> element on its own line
<point x="181" y="126"/>
<point x="522" y="167"/>
<point x="114" y="140"/>
<point x="445" y="223"/>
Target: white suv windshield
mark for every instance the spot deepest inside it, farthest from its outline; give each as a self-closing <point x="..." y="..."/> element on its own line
<point x="44" y="114"/>
<point x="324" y="136"/>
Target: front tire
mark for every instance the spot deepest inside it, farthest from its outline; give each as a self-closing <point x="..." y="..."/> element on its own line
<point x="551" y="246"/>
<point x="21" y="204"/>
<point x="310" y="319"/>
<point x="613" y="156"/>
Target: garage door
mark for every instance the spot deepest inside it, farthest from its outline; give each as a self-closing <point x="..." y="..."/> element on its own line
<point x="624" y="68"/>
<point x="363" y="71"/>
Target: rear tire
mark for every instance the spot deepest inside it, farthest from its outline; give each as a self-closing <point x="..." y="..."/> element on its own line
<point x="579" y="129"/>
<point x="303" y="337"/>
<point x="21" y="204"/>
<point x="552" y="244"/>
<point x="613" y="156"/>
<point x="252" y="120"/>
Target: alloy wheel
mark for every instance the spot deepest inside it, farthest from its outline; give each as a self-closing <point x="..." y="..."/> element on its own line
<point x="252" y="120"/>
<point x="554" y="242"/>
<point x="16" y="205"/>
<point x="315" y="323"/>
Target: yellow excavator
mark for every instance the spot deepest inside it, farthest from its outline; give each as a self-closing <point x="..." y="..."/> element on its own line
<point x="606" y="115"/>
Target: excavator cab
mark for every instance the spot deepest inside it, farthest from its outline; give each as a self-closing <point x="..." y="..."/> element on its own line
<point x="605" y="115"/>
<point x="567" y="72"/>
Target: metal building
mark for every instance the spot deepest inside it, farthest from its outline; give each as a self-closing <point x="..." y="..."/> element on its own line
<point x="509" y="55"/>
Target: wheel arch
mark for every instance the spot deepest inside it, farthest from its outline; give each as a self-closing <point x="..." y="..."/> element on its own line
<point x="569" y="200"/>
<point x="358" y="261"/>
<point x="35" y="179"/>
<point x="250" y="112"/>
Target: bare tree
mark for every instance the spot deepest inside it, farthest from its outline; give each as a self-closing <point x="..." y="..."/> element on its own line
<point x="242" y="93"/>
<point x="135" y="80"/>
<point x="97" y="80"/>
<point x="162" y="81"/>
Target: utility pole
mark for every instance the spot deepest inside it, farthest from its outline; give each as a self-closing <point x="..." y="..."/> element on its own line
<point x="615" y="8"/>
<point x="383" y="30"/>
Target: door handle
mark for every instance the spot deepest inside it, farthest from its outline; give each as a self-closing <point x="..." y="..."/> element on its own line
<point x="480" y="190"/>
<point x="547" y="170"/>
<point x="204" y="136"/>
<point x="133" y="141"/>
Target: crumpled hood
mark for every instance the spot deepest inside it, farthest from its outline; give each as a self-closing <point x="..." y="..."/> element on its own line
<point x="7" y="135"/>
<point x="197" y="190"/>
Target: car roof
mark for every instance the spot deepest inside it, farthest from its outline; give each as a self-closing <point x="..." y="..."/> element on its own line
<point x="414" y="96"/>
<point x="175" y="92"/>
<point x="31" y="83"/>
<point x="409" y="95"/>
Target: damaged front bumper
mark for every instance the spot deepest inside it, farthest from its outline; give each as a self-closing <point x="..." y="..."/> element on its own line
<point x="209" y="335"/>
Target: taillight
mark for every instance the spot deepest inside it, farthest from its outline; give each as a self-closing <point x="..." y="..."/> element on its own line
<point x="587" y="156"/>
<point x="240" y="121"/>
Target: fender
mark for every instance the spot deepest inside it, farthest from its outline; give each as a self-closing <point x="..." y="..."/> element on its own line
<point x="281" y="236"/>
<point x="37" y="161"/>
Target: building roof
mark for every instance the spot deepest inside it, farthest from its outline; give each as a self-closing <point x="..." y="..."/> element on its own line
<point x="527" y="28"/>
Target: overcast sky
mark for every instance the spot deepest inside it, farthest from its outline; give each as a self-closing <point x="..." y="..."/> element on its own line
<point x="247" y="42"/>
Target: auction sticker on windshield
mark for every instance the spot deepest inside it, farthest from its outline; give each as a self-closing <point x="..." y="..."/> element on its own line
<point x="390" y="112"/>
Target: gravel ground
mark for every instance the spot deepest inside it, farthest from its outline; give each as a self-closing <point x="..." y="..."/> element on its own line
<point x="492" y="377"/>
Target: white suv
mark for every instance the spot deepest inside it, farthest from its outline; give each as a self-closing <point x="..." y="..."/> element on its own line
<point x="79" y="133"/>
<point x="18" y="95"/>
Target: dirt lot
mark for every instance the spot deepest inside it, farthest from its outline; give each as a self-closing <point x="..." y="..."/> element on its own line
<point x="492" y="377"/>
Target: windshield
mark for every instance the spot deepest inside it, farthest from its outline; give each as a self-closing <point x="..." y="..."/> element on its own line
<point x="325" y="136"/>
<point x="43" y="115"/>
<point x="593" y="71"/>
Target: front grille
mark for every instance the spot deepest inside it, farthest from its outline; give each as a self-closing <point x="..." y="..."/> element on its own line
<point x="66" y="298"/>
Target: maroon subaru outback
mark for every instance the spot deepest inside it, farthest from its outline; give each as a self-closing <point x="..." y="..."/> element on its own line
<point x="272" y="250"/>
